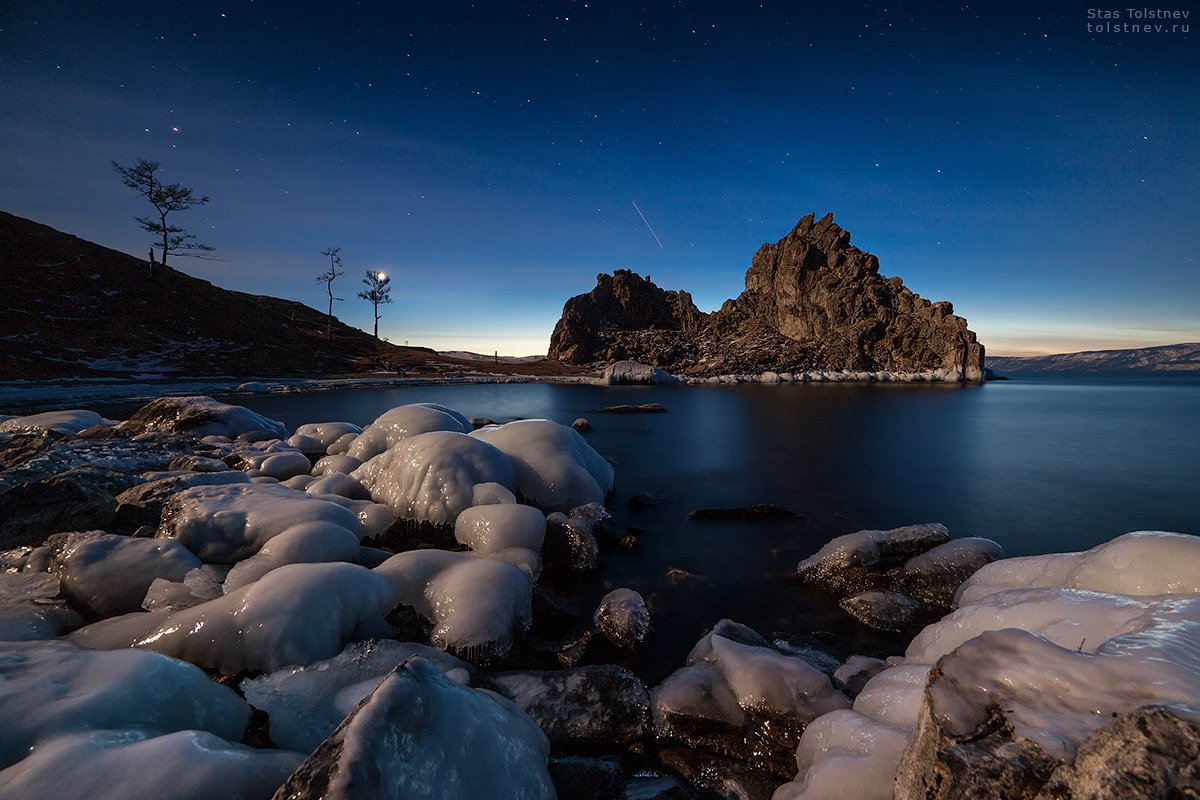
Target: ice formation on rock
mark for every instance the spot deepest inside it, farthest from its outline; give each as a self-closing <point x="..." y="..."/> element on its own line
<point x="505" y="531"/>
<point x="477" y="606"/>
<point x="30" y="610"/>
<point x="305" y="704"/>
<point x="119" y="764"/>
<point x="625" y="372"/>
<point x="623" y="618"/>
<point x="323" y="434"/>
<point x="397" y="424"/>
<point x="557" y="469"/>
<point x="64" y="422"/>
<point x="335" y="463"/>
<point x="421" y="734"/>
<point x="225" y="524"/>
<point x="104" y="575"/>
<point x="48" y="689"/>
<point x="295" y="614"/>
<point x="306" y="543"/>
<point x="200" y="416"/>
<point x="431" y="477"/>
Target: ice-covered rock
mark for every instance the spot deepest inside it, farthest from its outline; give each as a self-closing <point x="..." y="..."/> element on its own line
<point x="1134" y="564"/>
<point x="306" y="704"/>
<point x="340" y="484"/>
<point x="932" y="577"/>
<point x="420" y="734"/>
<point x="296" y="614"/>
<point x="586" y="707"/>
<point x="199" y="416"/>
<point x="623" y="618"/>
<point x="431" y="477"/>
<point x="741" y="697"/>
<point x="853" y="675"/>
<point x="478" y="607"/>
<point x="306" y="543"/>
<point x="283" y="465"/>
<point x="570" y="543"/>
<point x="67" y="423"/>
<point x="556" y="469"/>
<point x="30" y="608"/>
<point x="104" y="574"/>
<point x="885" y="611"/>
<point x="143" y="504"/>
<point x="323" y="434"/>
<point x="48" y="689"/>
<point x="225" y="524"/>
<point x="119" y="764"/>
<point x="505" y="531"/>
<point x="857" y="562"/>
<point x="335" y="463"/>
<point x="400" y="423"/>
<point x="632" y="372"/>
<point x="198" y="586"/>
<point x="486" y="494"/>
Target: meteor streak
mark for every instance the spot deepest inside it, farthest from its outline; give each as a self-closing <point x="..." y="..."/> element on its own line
<point x="643" y="216"/>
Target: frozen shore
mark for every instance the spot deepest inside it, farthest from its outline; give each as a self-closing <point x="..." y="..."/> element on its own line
<point x="373" y="603"/>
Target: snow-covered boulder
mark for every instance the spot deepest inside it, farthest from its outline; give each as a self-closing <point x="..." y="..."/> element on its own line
<point x="67" y="423"/>
<point x="200" y="416"/>
<point x="307" y="703"/>
<point x="397" y="424"/>
<point x="48" y="689"/>
<point x="431" y="477"/>
<point x="421" y="734"/>
<point x="296" y="614"/>
<point x="740" y="697"/>
<point x="556" y="468"/>
<point x="478" y="607"/>
<point x="119" y="764"/>
<point x="632" y="372"/>
<point x="104" y="575"/>
<point x="225" y="524"/>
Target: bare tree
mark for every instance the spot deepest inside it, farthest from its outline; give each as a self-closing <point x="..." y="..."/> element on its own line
<point x="328" y="277"/>
<point x="378" y="292"/>
<point x="142" y="177"/>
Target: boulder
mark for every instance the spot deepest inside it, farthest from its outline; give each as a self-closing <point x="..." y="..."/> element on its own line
<point x="623" y="618"/>
<point x="420" y="734"/>
<point x="859" y="561"/>
<point x="585" y="707"/>
<point x="884" y="611"/>
<point x="200" y="416"/>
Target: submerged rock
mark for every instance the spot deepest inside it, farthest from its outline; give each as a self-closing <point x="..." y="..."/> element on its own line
<point x="750" y="513"/>
<point x="419" y="730"/>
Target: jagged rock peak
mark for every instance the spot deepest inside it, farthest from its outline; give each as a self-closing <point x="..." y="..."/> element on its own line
<point x="621" y="301"/>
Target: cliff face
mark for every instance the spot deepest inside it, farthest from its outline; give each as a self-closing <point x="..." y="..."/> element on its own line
<point x="620" y="302"/>
<point x="812" y="301"/>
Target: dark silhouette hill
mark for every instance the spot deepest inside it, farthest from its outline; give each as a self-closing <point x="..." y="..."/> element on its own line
<point x="76" y="309"/>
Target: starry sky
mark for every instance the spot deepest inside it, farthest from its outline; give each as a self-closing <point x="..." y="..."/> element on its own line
<point x="489" y="155"/>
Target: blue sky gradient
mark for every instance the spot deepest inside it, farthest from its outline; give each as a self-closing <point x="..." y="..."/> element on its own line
<point x="487" y="155"/>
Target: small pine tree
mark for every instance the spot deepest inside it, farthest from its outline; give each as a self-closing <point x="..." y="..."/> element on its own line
<point x="378" y="292"/>
<point x="142" y="177"/>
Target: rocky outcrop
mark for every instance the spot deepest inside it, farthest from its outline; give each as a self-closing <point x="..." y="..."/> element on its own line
<point x="812" y="302"/>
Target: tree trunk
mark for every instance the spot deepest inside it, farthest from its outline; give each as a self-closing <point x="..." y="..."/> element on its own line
<point x="165" y="242"/>
<point x="376" y="321"/>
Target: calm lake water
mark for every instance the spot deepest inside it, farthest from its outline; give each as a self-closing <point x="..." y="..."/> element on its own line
<point x="1039" y="465"/>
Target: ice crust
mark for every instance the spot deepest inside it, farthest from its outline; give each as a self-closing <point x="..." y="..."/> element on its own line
<point x="465" y="742"/>
<point x="28" y="608"/>
<point x="104" y="575"/>
<point x="306" y="704"/>
<point x="1134" y="564"/>
<point x="323" y="434"/>
<point x="556" y="469"/>
<point x="431" y="477"/>
<point x="225" y="524"/>
<point x="120" y="764"/>
<point x="505" y="532"/>
<point x="397" y="424"/>
<point x="477" y="606"/>
<point x="295" y="614"/>
<point x="48" y="689"/>
<point x="64" y="422"/>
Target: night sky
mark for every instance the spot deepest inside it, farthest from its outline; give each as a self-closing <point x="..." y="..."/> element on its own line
<point x="1044" y="178"/>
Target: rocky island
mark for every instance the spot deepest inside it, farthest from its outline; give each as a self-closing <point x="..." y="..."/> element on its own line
<point x="813" y="302"/>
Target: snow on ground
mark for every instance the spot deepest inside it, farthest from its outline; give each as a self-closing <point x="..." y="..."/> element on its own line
<point x="65" y="422"/>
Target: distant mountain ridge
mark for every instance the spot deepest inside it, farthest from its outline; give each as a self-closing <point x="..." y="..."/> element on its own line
<point x="1183" y="357"/>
